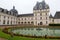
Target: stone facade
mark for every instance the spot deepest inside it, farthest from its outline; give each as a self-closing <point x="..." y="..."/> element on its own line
<point x="7" y="19"/>
<point x="40" y="16"/>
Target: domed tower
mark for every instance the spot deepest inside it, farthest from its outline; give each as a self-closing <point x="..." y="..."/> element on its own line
<point x="41" y="13"/>
<point x="14" y="11"/>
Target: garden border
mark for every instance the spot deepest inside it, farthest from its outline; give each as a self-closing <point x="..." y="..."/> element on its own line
<point x="5" y="30"/>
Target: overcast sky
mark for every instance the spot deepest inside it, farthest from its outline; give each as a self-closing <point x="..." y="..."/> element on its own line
<point x="26" y="6"/>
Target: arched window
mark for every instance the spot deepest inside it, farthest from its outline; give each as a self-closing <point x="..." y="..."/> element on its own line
<point x="21" y="22"/>
<point x="25" y="22"/>
<point x="32" y="22"/>
<point x="28" y="22"/>
<point x="41" y="23"/>
<point x="18" y="22"/>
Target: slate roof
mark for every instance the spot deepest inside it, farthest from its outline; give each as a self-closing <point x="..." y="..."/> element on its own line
<point x="50" y="16"/>
<point x="25" y="15"/>
<point x="57" y="15"/>
<point x="13" y="11"/>
<point x="41" y="5"/>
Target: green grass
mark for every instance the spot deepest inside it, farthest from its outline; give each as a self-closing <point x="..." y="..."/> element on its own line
<point x="25" y="38"/>
<point x="4" y="35"/>
<point x="7" y="36"/>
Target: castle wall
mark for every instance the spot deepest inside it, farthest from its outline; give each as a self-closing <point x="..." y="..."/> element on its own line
<point x="6" y="19"/>
<point x="25" y="20"/>
<point x="56" y="21"/>
<point x="51" y="20"/>
<point x="41" y="17"/>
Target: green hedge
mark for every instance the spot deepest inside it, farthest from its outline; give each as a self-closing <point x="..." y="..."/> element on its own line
<point x="54" y="24"/>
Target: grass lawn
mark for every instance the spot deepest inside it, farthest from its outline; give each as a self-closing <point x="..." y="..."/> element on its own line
<point x="8" y="37"/>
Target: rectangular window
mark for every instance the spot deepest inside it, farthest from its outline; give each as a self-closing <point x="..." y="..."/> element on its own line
<point x="4" y="16"/>
<point x="35" y="18"/>
<point x="31" y="18"/>
<point x="46" y="13"/>
<point x="3" y="21"/>
<point x="11" y="17"/>
<point x="46" y="22"/>
<point x="46" y="18"/>
<point x="11" y="22"/>
<point x="25" y="18"/>
<point x="8" y="22"/>
<point x="52" y="20"/>
<point x="8" y="17"/>
<point x="22" y="18"/>
<point x="40" y="18"/>
<point x="40" y="14"/>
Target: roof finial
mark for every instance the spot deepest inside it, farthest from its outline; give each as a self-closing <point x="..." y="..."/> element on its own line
<point x="13" y="7"/>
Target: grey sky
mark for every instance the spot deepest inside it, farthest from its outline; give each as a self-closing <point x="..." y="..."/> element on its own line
<point x="26" y="6"/>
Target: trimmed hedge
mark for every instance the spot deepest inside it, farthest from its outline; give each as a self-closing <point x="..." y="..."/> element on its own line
<point x="54" y="24"/>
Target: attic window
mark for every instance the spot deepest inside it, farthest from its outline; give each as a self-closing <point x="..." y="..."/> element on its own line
<point x="40" y="6"/>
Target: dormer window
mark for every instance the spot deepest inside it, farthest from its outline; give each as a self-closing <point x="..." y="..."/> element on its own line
<point x="40" y="6"/>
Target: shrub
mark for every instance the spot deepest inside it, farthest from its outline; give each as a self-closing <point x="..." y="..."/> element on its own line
<point x="54" y="24"/>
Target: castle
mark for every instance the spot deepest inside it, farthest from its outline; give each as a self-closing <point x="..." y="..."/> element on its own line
<point x="40" y="16"/>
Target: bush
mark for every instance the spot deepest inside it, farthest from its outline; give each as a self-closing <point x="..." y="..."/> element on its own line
<point x="54" y="24"/>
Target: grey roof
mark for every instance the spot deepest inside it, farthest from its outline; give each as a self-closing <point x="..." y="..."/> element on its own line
<point x="25" y="15"/>
<point x="41" y="5"/>
<point x="57" y="15"/>
<point x="12" y="12"/>
<point x="50" y="16"/>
